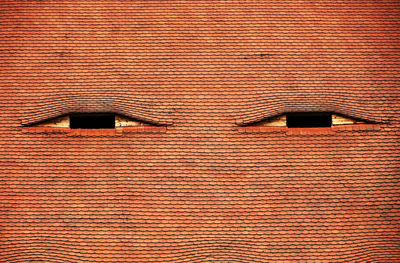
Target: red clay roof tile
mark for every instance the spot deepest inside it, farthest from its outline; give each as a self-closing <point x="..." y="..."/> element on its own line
<point x="202" y="186"/>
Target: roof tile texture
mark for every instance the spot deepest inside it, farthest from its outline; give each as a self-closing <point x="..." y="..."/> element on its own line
<point x="201" y="187"/>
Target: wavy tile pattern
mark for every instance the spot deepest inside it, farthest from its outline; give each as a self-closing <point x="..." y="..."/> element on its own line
<point x="199" y="189"/>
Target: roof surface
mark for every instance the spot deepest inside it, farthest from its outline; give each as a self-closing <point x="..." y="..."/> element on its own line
<point x="203" y="189"/>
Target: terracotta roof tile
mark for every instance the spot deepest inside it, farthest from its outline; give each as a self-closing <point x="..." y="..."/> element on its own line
<point x="201" y="185"/>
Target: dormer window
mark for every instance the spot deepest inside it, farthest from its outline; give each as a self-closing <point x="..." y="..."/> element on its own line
<point x="308" y="120"/>
<point x="92" y="121"/>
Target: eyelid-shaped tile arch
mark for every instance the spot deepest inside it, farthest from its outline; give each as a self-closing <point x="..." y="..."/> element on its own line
<point x="144" y="111"/>
<point x="268" y="104"/>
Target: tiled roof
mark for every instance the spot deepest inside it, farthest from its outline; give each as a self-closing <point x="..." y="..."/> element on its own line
<point x="203" y="186"/>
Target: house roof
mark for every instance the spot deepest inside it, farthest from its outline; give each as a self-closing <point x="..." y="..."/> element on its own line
<point x="203" y="185"/>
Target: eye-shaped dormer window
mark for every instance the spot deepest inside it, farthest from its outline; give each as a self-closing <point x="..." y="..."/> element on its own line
<point x="92" y="121"/>
<point x="308" y="120"/>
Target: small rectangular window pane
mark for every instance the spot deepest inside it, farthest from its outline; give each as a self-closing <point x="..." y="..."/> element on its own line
<point x="300" y="120"/>
<point x="92" y="121"/>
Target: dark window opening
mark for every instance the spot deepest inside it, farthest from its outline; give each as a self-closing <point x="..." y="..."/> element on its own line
<point x="92" y="121"/>
<point x="313" y="119"/>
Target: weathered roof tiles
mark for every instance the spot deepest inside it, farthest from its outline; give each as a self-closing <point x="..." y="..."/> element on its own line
<point x="205" y="185"/>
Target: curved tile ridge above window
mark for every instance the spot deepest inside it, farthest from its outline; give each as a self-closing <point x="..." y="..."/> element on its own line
<point x="260" y="113"/>
<point x="304" y="123"/>
<point x="151" y="112"/>
<point x="275" y="102"/>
